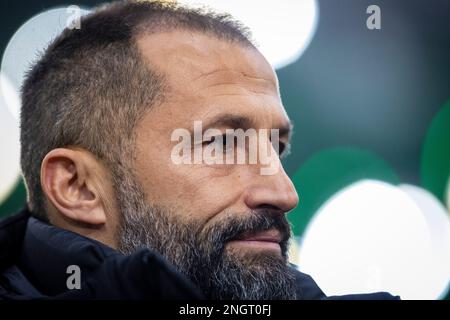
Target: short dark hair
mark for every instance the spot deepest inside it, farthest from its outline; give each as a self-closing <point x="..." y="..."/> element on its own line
<point x="91" y="86"/>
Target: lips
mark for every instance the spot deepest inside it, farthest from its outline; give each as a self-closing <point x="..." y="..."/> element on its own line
<point x="271" y="235"/>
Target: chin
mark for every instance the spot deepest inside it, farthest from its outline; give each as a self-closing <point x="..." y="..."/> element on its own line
<point x="253" y="254"/>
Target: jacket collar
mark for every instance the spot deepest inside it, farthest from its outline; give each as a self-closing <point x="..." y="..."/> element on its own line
<point x="48" y="251"/>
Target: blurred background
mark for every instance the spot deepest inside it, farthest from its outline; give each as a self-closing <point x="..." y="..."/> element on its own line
<point x="367" y="86"/>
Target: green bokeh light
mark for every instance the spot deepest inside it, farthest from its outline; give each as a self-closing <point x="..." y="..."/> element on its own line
<point x="15" y="201"/>
<point x="327" y="172"/>
<point x="435" y="162"/>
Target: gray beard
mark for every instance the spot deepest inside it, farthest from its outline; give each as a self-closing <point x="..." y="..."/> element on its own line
<point x="200" y="253"/>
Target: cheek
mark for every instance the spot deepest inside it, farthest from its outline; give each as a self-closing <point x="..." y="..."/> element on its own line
<point x="201" y="192"/>
<point x="193" y="191"/>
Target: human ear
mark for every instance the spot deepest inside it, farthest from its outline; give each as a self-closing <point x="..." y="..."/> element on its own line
<point x="69" y="181"/>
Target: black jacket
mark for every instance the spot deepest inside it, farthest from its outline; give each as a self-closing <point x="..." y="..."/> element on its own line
<point x="35" y="256"/>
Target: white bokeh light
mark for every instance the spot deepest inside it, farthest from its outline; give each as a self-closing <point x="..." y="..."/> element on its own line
<point x="282" y="29"/>
<point x="9" y="144"/>
<point x="372" y="236"/>
<point x="11" y="99"/>
<point x="26" y="45"/>
<point x="294" y="249"/>
<point x="439" y="225"/>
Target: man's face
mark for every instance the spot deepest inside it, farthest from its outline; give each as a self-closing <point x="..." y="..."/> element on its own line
<point x="220" y="217"/>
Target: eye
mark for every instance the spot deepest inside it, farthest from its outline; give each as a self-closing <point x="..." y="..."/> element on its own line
<point x="214" y="139"/>
<point x="225" y="140"/>
<point x="281" y="147"/>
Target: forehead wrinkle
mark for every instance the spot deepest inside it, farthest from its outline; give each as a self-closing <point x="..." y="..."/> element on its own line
<point x="234" y="82"/>
<point x="222" y="77"/>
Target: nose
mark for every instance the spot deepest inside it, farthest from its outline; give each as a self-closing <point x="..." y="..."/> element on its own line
<point x="274" y="191"/>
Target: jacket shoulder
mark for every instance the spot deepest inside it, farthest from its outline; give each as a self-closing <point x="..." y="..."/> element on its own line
<point x="307" y="288"/>
<point x="365" y="296"/>
<point x="12" y="231"/>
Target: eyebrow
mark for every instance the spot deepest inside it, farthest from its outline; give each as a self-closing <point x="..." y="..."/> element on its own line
<point x="243" y="122"/>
